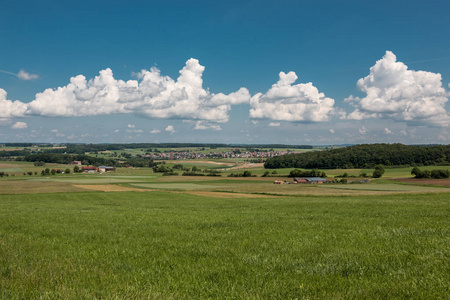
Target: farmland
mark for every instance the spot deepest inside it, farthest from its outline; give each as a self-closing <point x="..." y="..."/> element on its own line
<point x="137" y="234"/>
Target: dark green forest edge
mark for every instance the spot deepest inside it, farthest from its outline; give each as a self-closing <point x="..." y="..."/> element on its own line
<point x="364" y="156"/>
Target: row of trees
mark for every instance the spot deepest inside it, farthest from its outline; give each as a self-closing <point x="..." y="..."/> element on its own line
<point x="435" y="174"/>
<point x="364" y="156"/>
<point x="312" y="173"/>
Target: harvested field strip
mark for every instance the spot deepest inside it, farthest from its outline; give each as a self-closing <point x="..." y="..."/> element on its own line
<point x="227" y="195"/>
<point x="442" y="182"/>
<point x="86" y="180"/>
<point x="175" y="186"/>
<point x="384" y="187"/>
<point x="11" y="170"/>
<point x="110" y="188"/>
<point x="34" y="187"/>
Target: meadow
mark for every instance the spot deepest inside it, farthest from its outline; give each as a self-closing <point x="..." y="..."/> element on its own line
<point x="72" y="236"/>
<point x="178" y="245"/>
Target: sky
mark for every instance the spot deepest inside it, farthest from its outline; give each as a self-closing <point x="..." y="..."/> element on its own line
<point x="250" y="72"/>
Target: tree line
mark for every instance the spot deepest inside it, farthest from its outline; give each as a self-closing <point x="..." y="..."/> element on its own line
<point x="60" y="158"/>
<point x="364" y="156"/>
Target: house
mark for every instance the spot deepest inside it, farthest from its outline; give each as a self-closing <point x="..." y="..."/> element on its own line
<point x="75" y="162"/>
<point x="92" y="169"/>
<point x="103" y="169"/>
<point x="311" y="180"/>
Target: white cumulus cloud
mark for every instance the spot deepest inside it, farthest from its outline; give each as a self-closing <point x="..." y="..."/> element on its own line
<point x="152" y="95"/>
<point x="19" y="125"/>
<point x="274" y="124"/>
<point x="362" y="130"/>
<point x="10" y="109"/>
<point x="387" y="131"/>
<point x="155" y="131"/>
<point x="287" y="102"/>
<point x="26" y="76"/>
<point x="394" y="92"/>
<point x="201" y="125"/>
<point x="170" y="129"/>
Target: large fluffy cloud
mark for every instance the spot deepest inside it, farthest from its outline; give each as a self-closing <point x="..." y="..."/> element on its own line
<point x="152" y="95"/>
<point x="10" y="109"/>
<point x="393" y="91"/>
<point x="286" y="102"/>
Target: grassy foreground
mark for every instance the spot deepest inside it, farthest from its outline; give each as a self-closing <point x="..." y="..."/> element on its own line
<point x="160" y="245"/>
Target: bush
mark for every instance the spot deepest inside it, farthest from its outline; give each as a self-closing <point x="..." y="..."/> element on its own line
<point x="379" y="171"/>
<point x="170" y="174"/>
<point x="192" y="174"/>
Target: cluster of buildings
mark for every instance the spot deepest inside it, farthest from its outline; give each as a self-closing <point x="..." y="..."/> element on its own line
<point x="99" y="169"/>
<point x="235" y="153"/>
<point x="305" y="180"/>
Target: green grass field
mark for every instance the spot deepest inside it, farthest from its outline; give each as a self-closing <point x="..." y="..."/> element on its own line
<point x="218" y="237"/>
<point x="161" y="245"/>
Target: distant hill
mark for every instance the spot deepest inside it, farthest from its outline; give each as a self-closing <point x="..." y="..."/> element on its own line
<point x="364" y="156"/>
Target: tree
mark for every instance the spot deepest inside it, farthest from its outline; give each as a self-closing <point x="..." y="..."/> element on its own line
<point x="76" y="169"/>
<point x="67" y="171"/>
<point x="247" y="174"/>
<point x="53" y="171"/>
<point x="379" y="171"/>
<point x="416" y="172"/>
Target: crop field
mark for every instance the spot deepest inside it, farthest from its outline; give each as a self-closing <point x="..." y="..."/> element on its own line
<point x="135" y="234"/>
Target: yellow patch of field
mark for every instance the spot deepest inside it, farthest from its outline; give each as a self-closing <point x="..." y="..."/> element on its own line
<point x="247" y="166"/>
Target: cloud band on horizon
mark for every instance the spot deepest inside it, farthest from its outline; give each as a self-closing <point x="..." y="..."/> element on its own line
<point x="392" y="92"/>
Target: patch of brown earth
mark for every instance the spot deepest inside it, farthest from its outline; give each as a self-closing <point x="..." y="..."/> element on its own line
<point x="6" y="166"/>
<point x="443" y="182"/>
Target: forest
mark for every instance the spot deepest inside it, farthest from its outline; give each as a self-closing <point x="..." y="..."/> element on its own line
<point x="365" y="156"/>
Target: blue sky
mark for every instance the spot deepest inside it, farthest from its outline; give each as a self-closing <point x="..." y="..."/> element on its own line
<point x="210" y="71"/>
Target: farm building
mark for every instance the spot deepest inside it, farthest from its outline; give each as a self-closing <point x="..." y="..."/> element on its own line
<point x="103" y="169"/>
<point x="311" y="180"/>
<point x="92" y="169"/>
<point x="75" y="162"/>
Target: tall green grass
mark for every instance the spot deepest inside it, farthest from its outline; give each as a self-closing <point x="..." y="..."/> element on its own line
<point x="164" y="245"/>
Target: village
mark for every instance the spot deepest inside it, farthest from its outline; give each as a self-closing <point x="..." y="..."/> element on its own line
<point x="234" y="153"/>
